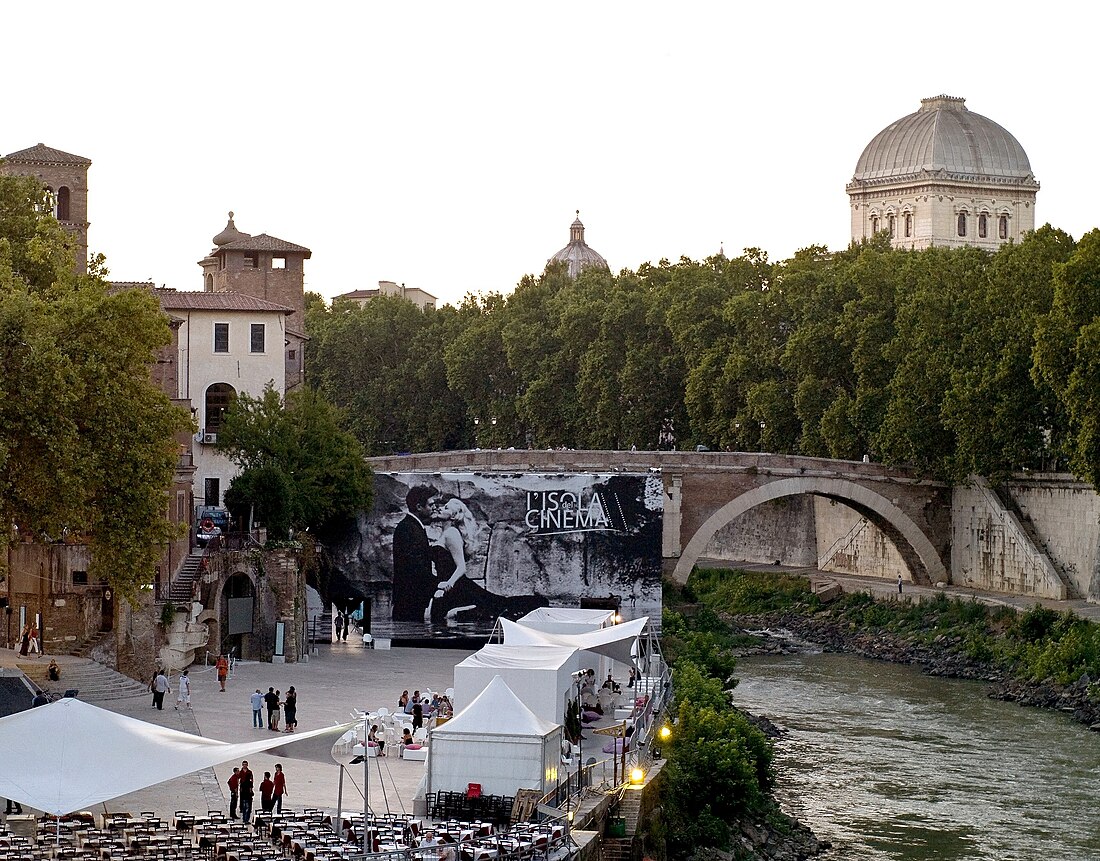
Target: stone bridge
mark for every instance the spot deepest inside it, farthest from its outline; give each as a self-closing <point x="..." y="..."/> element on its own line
<point x="706" y="491"/>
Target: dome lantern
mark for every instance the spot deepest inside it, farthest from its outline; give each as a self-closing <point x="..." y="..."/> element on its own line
<point x="577" y="255"/>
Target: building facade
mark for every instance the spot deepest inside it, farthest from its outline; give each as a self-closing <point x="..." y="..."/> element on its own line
<point x="422" y="299"/>
<point x="943" y="176"/>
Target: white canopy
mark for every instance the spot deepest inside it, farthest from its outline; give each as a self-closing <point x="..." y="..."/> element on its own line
<point x="540" y="675"/>
<point x="495" y="741"/>
<point x="616" y="642"/>
<point x="566" y="620"/>
<point x="69" y="755"/>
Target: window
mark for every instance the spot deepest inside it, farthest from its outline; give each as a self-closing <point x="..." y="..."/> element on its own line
<point x="983" y="226"/>
<point x="893" y="227"/>
<point x="208" y="284"/>
<point x="63" y="198"/>
<point x="278" y="263"/>
<point x="250" y="260"/>
<point x="221" y="337"/>
<point x="213" y="491"/>
<point x="908" y="224"/>
<point x="292" y="355"/>
<point x="80" y="578"/>
<point x="257" y="339"/>
<point x="1002" y="227"/>
<point x="219" y="398"/>
<point x="874" y="224"/>
<point x="962" y="224"/>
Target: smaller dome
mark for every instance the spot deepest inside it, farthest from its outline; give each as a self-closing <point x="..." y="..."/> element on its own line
<point x="229" y="234"/>
<point x="577" y="255"/>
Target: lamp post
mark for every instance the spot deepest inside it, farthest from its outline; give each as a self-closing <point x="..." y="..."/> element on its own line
<point x="366" y="785"/>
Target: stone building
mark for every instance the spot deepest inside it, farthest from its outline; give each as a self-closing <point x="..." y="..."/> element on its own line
<point x="577" y="255"/>
<point x="943" y="176"/>
<point x="422" y="299"/>
<point x="65" y="177"/>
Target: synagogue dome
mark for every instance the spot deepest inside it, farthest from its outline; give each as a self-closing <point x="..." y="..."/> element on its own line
<point x="944" y="139"/>
<point x="229" y="234"/>
<point x="577" y="255"/>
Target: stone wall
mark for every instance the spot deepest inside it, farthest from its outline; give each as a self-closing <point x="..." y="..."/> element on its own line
<point x="849" y="543"/>
<point x="782" y="530"/>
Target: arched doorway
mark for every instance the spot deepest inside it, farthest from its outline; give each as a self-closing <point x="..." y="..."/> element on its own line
<point x="238" y="614"/>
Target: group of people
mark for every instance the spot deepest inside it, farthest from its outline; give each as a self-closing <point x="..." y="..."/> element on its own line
<point x="242" y="791"/>
<point x="421" y="708"/>
<point x="342" y="622"/>
<point x="28" y="641"/>
<point x="279" y="709"/>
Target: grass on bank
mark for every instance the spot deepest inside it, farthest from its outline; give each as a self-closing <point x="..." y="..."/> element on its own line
<point x="1037" y="645"/>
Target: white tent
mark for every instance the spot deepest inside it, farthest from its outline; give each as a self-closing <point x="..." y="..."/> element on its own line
<point x="69" y="755"/>
<point x="617" y="642"/>
<point x="541" y="675"/>
<point x="495" y="741"/>
<point x="567" y="620"/>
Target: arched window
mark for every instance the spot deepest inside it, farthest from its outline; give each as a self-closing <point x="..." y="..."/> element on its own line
<point x="874" y="224"/>
<point x="983" y="226"/>
<point x="219" y="398"/>
<point x="1002" y="227"/>
<point x="962" y="224"/>
<point x="908" y="224"/>
<point x="893" y="227"/>
<point x="209" y="285"/>
<point x="63" y="203"/>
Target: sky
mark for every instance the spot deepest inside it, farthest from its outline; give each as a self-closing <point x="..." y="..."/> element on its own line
<point x="447" y="146"/>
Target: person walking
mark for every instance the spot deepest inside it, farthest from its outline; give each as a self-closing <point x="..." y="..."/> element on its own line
<point x="257" y="700"/>
<point x="25" y="640"/>
<point x="160" y="688"/>
<point x="222" y="667"/>
<point x="339" y="626"/>
<point x="183" y="698"/>
<point x="233" y="783"/>
<point x="280" y="787"/>
<point x="35" y="648"/>
<point x="347" y="626"/>
<point x="290" y="709"/>
<point x="267" y="787"/>
<point x="246" y="792"/>
<point x="271" y="699"/>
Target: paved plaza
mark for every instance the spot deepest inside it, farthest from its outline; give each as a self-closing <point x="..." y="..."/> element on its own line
<point x="336" y="680"/>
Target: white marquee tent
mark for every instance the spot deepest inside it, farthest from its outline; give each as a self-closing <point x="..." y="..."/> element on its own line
<point x="567" y="620"/>
<point x="617" y="642"/>
<point x="540" y="674"/>
<point x="69" y="755"/>
<point x="495" y="741"/>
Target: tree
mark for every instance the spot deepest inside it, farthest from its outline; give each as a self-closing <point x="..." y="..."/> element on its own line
<point x="87" y="443"/>
<point x="299" y="467"/>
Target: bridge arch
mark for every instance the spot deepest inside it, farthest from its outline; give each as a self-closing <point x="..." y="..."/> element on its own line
<point x="920" y="555"/>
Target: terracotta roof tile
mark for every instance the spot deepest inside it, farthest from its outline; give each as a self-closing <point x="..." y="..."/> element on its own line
<point x="173" y="300"/>
<point x="263" y="242"/>
<point x="42" y="154"/>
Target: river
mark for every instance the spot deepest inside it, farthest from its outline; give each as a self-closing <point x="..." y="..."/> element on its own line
<point x="888" y="763"/>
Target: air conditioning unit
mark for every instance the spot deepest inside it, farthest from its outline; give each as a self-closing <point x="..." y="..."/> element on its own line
<point x="209" y="438"/>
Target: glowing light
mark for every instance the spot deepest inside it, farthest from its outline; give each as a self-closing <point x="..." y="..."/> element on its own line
<point x="666" y="733"/>
<point x="637" y="775"/>
<point x="618" y="619"/>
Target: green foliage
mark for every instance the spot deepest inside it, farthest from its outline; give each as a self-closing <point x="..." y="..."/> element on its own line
<point x="300" y="468"/>
<point x="87" y="442"/>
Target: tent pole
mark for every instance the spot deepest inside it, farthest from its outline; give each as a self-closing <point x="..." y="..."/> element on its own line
<point x="338" y="820"/>
<point x="366" y="786"/>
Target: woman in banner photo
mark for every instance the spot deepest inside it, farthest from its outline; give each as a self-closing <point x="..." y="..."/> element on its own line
<point x="456" y="594"/>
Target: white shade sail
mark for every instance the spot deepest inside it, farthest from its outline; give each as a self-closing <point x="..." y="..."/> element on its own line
<point x="69" y="755"/>
<point x="616" y="642"/>
<point x="566" y="620"/>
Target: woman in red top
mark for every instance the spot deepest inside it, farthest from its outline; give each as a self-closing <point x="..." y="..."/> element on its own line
<point x="280" y="787"/>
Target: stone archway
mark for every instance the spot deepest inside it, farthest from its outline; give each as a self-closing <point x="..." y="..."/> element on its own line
<point x="235" y="583"/>
<point x="925" y="564"/>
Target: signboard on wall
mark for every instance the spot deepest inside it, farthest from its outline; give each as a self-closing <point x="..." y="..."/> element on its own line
<point x="450" y="552"/>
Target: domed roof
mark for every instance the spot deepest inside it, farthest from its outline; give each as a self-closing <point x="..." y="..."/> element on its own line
<point x="577" y="255"/>
<point x="946" y="139"/>
<point x="229" y="234"/>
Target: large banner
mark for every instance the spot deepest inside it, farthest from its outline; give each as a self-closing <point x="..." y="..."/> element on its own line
<point x="448" y="553"/>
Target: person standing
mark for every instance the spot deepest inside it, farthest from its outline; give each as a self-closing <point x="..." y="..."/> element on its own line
<point x="257" y="700"/>
<point x="222" y="667"/>
<point x="347" y="626"/>
<point x="233" y="783"/>
<point x="277" y="715"/>
<point x="245" y="790"/>
<point x="290" y="709"/>
<point x="280" y="788"/>
<point x="160" y="688"/>
<point x="25" y="640"/>
<point x="183" y="698"/>
<point x="35" y="648"/>
<point x="418" y="715"/>
<point x="271" y="699"/>
<point x="899" y="584"/>
<point x="267" y="787"/>
<point x="339" y="626"/>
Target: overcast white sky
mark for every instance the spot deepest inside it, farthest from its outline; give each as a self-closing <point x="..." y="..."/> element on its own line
<point x="447" y="145"/>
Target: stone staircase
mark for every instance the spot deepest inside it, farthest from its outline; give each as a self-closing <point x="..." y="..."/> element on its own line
<point x="623" y="848"/>
<point x="95" y="682"/>
<point x="182" y="585"/>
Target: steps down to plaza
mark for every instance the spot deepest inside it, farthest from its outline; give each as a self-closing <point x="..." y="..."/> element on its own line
<point x="95" y="682"/>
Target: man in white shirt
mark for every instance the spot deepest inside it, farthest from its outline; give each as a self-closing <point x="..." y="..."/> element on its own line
<point x="160" y="688"/>
<point x="257" y="700"/>
<point x="184" y="695"/>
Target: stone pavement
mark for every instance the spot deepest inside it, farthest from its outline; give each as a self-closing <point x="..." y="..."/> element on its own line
<point x="339" y="678"/>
